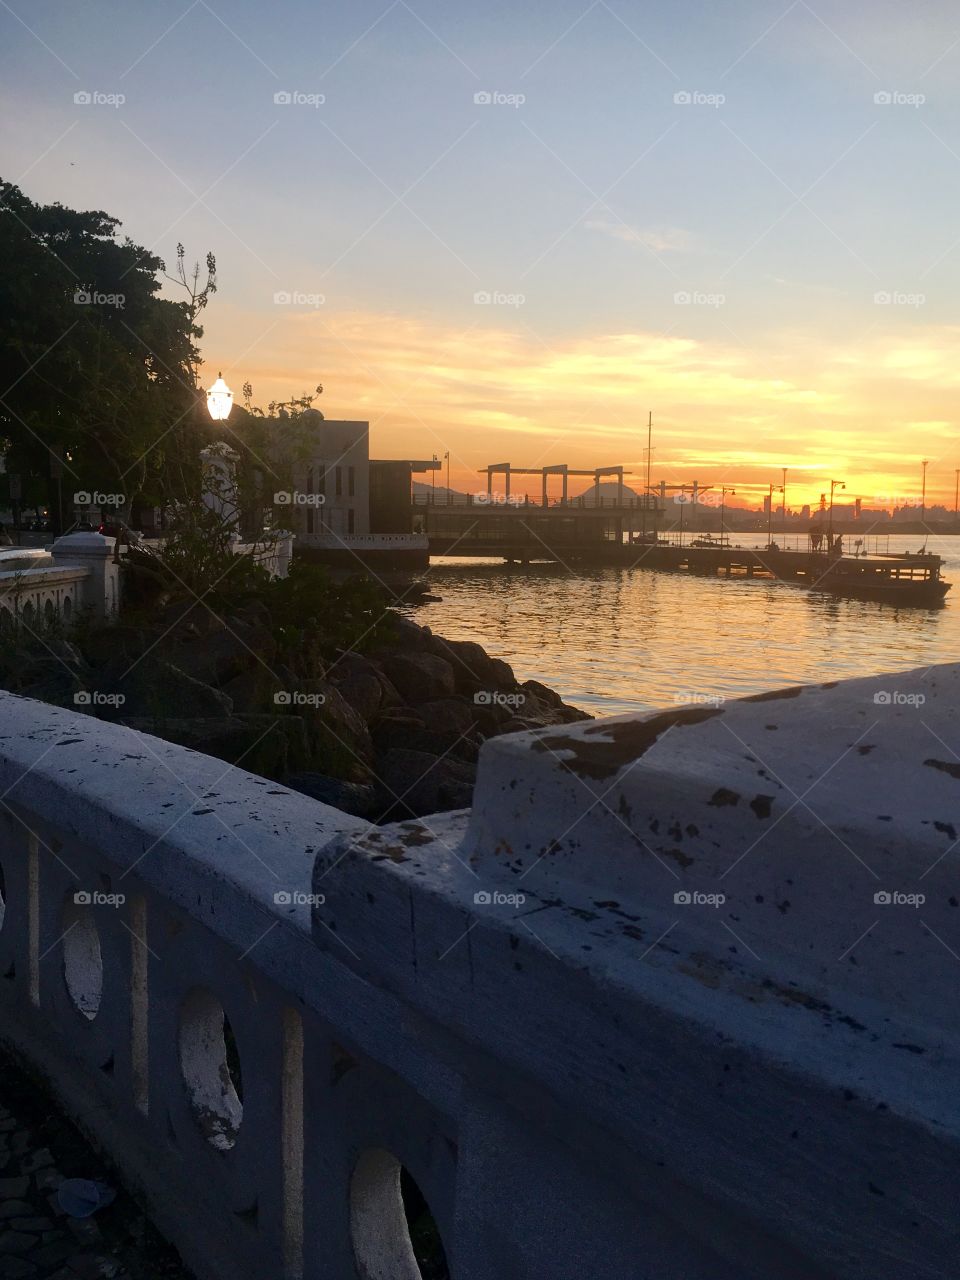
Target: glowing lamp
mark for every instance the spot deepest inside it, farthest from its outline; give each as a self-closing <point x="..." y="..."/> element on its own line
<point x="219" y="400"/>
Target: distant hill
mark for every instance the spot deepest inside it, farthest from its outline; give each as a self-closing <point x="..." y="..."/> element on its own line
<point x="608" y="493"/>
<point x="440" y="490"/>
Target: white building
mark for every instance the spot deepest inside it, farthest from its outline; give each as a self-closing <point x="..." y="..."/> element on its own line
<point x="332" y="484"/>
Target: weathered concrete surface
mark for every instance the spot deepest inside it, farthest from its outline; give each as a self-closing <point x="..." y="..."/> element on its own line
<point x="773" y="1069"/>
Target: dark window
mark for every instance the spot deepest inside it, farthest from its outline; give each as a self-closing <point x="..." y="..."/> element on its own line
<point x="322" y="481"/>
<point x="309" y="519"/>
<point x="339" y="478"/>
<point x="350" y="520"/>
<point x="350" y="481"/>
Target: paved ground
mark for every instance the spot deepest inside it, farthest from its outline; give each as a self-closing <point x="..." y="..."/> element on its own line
<point x="39" y="1147"/>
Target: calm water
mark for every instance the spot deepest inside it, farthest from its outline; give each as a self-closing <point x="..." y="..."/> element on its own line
<point x="613" y="640"/>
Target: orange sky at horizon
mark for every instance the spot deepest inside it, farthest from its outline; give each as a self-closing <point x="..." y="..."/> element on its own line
<point x="866" y="413"/>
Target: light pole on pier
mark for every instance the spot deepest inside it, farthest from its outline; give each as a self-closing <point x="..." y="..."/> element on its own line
<point x="834" y="484"/>
<point x="783" y="490"/>
<point x="773" y="489"/>
<point x="923" y="491"/>
<point x="723" y="495"/>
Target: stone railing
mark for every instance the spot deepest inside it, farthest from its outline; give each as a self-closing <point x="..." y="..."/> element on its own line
<point x="675" y="999"/>
<point x="273" y="551"/>
<point x="365" y="541"/>
<point x="77" y="574"/>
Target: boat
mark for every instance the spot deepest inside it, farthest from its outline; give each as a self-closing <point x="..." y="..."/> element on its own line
<point x="908" y="579"/>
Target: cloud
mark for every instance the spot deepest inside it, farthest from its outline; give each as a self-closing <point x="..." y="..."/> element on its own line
<point x="722" y="410"/>
<point x="656" y="239"/>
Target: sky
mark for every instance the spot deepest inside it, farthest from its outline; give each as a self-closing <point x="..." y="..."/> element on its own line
<point x="507" y="232"/>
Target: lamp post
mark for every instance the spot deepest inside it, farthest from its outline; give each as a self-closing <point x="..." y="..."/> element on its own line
<point x="834" y="484"/>
<point x="433" y="479"/>
<point x="772" y="490"/>
<point x="783" y="490"/>
<point x="923" y="491"/>
<point x="723" y="495"/>
<point x="956" y="495"/>
<point x="219" y="400"/>
<point x="449" y="494"/>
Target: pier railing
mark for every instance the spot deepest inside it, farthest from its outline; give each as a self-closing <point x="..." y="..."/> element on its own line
<point x="677" y="994"/>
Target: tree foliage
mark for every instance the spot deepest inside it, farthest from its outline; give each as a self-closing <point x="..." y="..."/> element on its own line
<point x="96" y="368"/>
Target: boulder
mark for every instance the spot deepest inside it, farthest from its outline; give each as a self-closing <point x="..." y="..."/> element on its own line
<point x="363" y="691"/>
<point x="352" y="797"/>
<point x="417" y="783"/>
<point x="420" y="677"/>
<point x="474" y="670"/>
<point x="453" y="716"/>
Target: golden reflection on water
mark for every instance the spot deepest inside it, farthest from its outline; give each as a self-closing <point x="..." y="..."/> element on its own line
<point x="614" y="640"/>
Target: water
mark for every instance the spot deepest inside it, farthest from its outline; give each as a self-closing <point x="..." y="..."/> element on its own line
<point x="615" y="640"/>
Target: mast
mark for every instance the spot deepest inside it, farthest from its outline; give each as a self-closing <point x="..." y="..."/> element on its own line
<point x="646" y="495"/>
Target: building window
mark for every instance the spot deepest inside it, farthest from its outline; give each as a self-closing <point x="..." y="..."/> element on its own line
<point x="339" y="480"/>
<point x="350" y="482"/>
<point x="309" y="519"/>
<point x="322" y="480"/>
<point x="350" y="520"/>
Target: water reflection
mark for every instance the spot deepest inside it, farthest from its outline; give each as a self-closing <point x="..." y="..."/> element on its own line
<point x="613" y="640"/>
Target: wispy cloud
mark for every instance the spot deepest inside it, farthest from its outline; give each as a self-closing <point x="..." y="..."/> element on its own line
<point x="657" y="239"/>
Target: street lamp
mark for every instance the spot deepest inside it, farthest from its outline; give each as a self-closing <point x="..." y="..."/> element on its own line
<point x="219" y="400"/>
<point x="923" y="492"/>
<point x="773" y="489"/>
<point x="723" y="495"/>
<point x="834" y="484"/>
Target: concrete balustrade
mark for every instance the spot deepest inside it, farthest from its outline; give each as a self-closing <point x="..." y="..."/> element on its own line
<point x="640" y="1013"/>
<point x="77" y="575"/>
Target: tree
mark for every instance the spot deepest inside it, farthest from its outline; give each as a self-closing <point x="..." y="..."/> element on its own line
<point x="97" y="371"/>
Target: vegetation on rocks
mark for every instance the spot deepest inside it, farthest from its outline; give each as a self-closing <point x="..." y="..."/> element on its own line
<point x="316" y="684"/>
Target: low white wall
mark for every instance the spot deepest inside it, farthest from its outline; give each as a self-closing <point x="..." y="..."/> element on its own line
<point x="586" y="1073"/>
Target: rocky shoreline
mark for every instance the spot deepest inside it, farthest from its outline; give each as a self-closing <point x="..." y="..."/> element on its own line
<point x="391" y="732"/>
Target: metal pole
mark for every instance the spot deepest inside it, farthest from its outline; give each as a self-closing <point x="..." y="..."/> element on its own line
<point x="923" y="494"/>
<point x="646" y="496"/>
<point x="784" y="492"/>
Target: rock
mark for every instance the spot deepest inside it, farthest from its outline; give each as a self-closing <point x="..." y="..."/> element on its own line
<point x="239" y="646"/>
<point x="395" y="727"/>
<point x="253" y="690"/>
<point x="416" y="782"/>
<point x="410" y="635"/>
<point x="420" y="677"/>
<point x="363" y="691"/>
<point x="474" y="670"/>
<point x="448" y="716"/>
<point x="543" y="693"/>
<point x="154" y="688"/>
<point x="352" y="797"/>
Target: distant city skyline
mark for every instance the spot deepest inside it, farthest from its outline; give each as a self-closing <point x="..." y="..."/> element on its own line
<point x="740" y="218"/>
